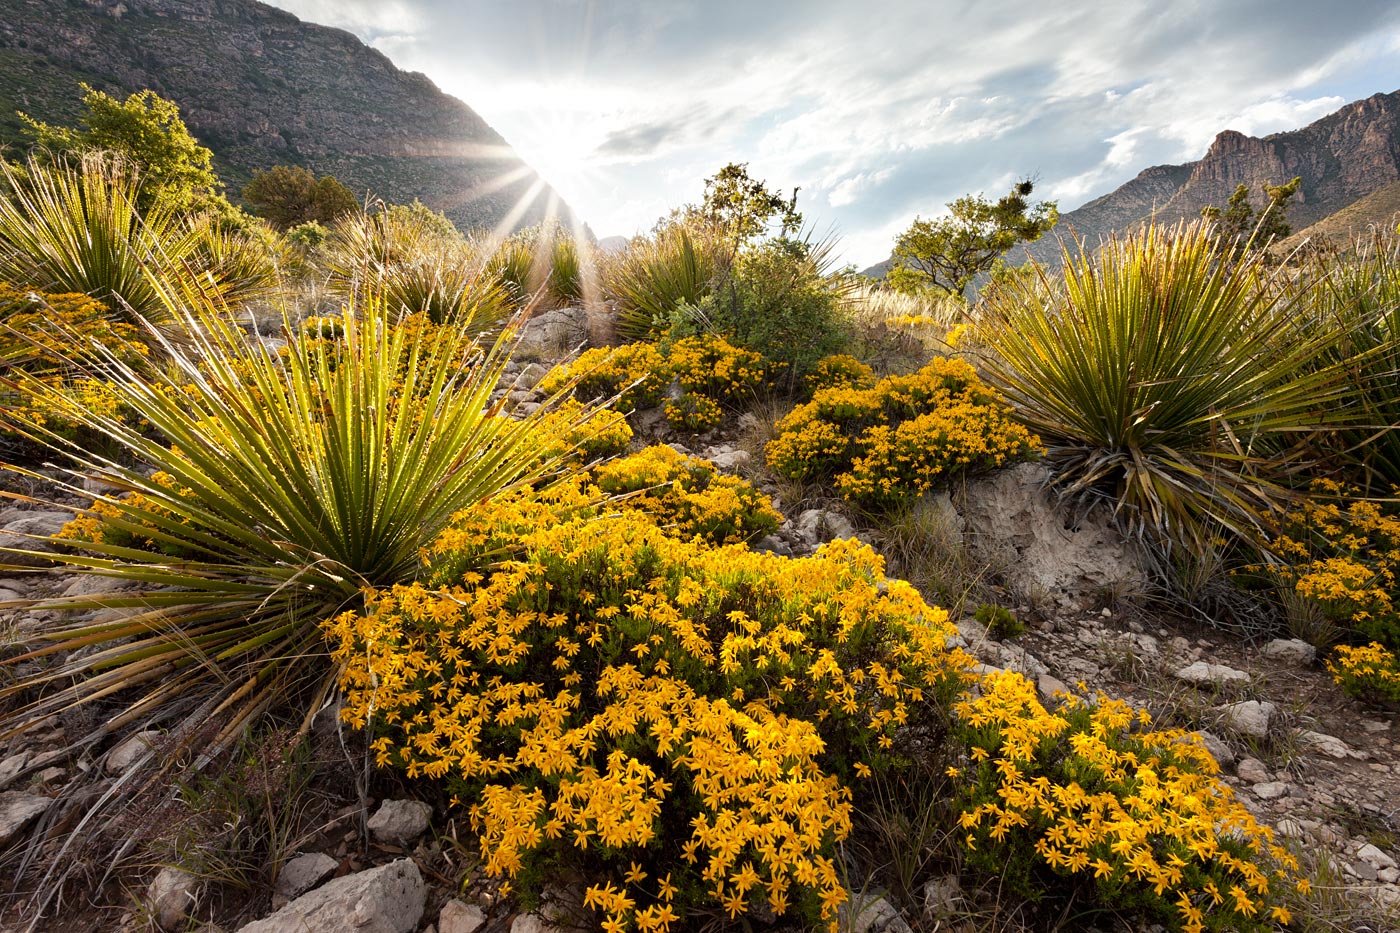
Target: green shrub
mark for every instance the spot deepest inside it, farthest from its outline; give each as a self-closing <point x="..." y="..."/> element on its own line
<point x="1086" y="803"/>
<point x="1368" y="673"/>
<point x="999" y="621"/>
<point x="1167" y="374"/>
<point x="889" y="444"/>
<point x="678" y="266"/>
<point x="680" y="726"/>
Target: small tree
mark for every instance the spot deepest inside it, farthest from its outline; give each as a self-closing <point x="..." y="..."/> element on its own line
<point x="740" y="207"/>
<point x="947" y="253"/>
<point x="147" y="129"/>
<point x="1237" y="224"/>
<point x="288" y="196"/>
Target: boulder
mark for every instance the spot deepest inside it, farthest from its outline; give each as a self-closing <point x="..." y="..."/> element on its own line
<point x="1324" y="744"/>
<point x="1292" y="651"/>
<point x="303" y="873"/>
<point x="17" y="811"/>
<point x="387" y="899"/>
<point x="1201" y="673"/>
<point x="1012" y="523"/>
<point x="553" y="335"/>
<point x="818" y="525"/>
<point x="459" y="917"/>
<point x="170" y="898"/>
<point x="29" y="534"/>
<point x="1250" y="717"/>
<point x="871" y="916"/>
<point x="130" y="751"/>
<point x="400" y="822"/>
<point x="1223" y="754"/>
<point x="1252" y="771"/>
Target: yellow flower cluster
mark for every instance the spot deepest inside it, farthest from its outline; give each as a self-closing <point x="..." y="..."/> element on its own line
<point x="603" y="433"/>
<point x="1089" y="795"/>
<point x="27" y="344"/>
<point x="1369" y="672"/>
<point x="678" y="718"/>
<point x="897" y="440"/>
<point x="689" y="496"/>
<point x="135" y="523"/>
<point x="1343" y="553"/>
<point x="712" y="375"/>
<point x="840" y="370"/>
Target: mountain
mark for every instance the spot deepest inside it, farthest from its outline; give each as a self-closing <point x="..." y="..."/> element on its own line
<point x="260" y="88"/>
<point x="1341" y="158"/>
<point x="1380" y="209"/>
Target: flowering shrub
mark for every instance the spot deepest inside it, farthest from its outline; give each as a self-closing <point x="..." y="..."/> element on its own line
<point x="1368" y="673"/>
<point x="604" y="433"/>
<point x="677" y="722"/>
<point x="897" y="440"/>
<point x="690" y="495"/>
<point x="28" y="342"/>
<point x="1343" y="553"/>
<point x="634" y="371"/>
<point x="840" y="370"/>
<point x="1136" y="819"/>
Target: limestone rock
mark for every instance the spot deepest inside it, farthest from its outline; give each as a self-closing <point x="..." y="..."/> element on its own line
<point x="871" y="916"/>
<point x="12" y="766"/>
<point x="130" y="751"/>
<point x="818" y="526"/>
<point x="1328" y="745"/>
<point x="533" y="923"/>
<point x="942" y="897"/>
<point x="1293" y="651"/>
<point x="728" y="459"/>
<point x="39" y="525"/>
<point x="458" y="917"/>
<point x="1270" y="790"/>
<point x="553" y="335"/>
<point x="1013" y="523"/>
<point x="17" y="811"/>
<point x="1201" y="673"/>
<point x="400" y="822"/>
<point x="1223" y="754"/>
<point x="1250" y="717"/>
<point x="172" y="895"/>
<point x="387" y="899"/>
<point x="1372" y="854"/>
<point x="1252" y="770"/>
<point x="303" y="873"/>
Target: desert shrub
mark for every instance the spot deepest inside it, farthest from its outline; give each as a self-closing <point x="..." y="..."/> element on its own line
<point x="681" y="725"/>
<point x="583" y="435"/>
<point x="30" y="342"/>
<point x="1367" y="672"/>
<point x="288" y="482"/>
<point x="783" y="302"/>
<point x="678" y="266"/>
<point x="76" y="228"/>
<point x="712" y="375"/>
<point x="635" y="373"/>
<point x="891" y="443"/>
<point x="1086" y="801"/>
<point x="689" y="497"/>
<point x="1355" y="297"/>
<point x="406" y="259"/>
<point x="542" y="264"/>
<point x="1001" y="623"/>
<point x="307" y="236"/>
<point x="1167" y="374"/>
<point x="839" y="371"/>
<point x="1342" y="553"/>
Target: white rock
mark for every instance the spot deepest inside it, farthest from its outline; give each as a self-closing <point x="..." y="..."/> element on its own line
<point x="457" y="917"/>
<point x="1201" y="673"/>
<point x="871" y="916"/>
<point x="170" y="898"/>
<point x="1293" y="651"/>
<point x="1252" y="771"/>
<point x="729" y="459"/>
<point x="1049" y="686"/>
<point x="1223" y="754"/>
<point x="533" y="923"/>
<point x="553" y="334"/>
<point x="819" y="525"/>
<point x="942" y="897"/>
<point x="1328" y="745"/>
<point x="387" y="899"/>
<point x="1375" y="856"/>
<point x="1270" y="790"/>
<point x="130" y="751"/>
<point x="303" y="873"/>
<point x="1250" y="717"/>
<point x="17" y="811"/>
<point x="400" y="822"/>
<point x="11" y="766"/>
<point x="31" y="534"/>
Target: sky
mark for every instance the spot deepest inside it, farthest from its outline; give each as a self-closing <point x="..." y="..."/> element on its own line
<point x="879" y="111"/>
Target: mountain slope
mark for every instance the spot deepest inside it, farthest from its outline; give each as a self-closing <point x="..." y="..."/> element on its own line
<point x="1341" y="158"/>
<point x="260" y="87"/>
<point x="1380" y="208"/>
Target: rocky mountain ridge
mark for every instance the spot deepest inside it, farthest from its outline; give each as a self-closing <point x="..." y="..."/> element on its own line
<point x="260" y="88"/>
<point x="1341" y="158"/>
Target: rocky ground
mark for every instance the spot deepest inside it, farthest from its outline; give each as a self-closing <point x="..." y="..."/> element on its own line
<point x="1320" y="768"/>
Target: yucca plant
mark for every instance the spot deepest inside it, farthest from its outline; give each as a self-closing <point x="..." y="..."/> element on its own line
<point x="272" y="490"/>
<point x="658" y="275"/>
<point x="408" y="262"/>
<point x="75" y="227"/>
<point x="1167" y="374"/>
<point x="1356" y="296"/>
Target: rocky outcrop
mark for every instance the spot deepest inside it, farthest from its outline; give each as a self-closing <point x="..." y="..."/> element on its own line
<point x="1341" y="158"/>
<point x="260" y="88"/>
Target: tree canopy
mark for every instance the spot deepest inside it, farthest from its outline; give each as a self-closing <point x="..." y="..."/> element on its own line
<point x="287" y="196"/>
<point x="947" y="253"/>
<point x="741" y="207"/>
<point x="1236" y="223"/>
<point x="147" y="129"/>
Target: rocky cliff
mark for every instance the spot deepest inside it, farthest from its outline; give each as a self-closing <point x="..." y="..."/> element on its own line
<point x="260" y="87"/>
<point x="1341" y="158"/>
